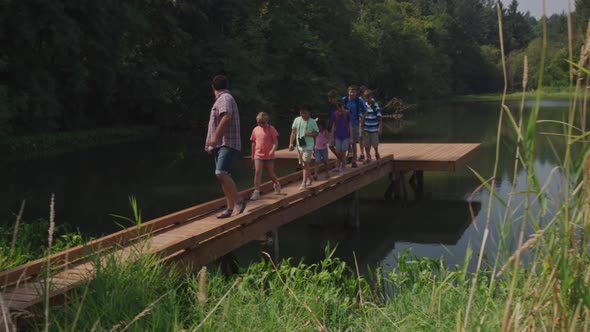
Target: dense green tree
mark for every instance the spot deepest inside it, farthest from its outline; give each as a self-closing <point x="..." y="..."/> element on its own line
<point x="75" y="64"/>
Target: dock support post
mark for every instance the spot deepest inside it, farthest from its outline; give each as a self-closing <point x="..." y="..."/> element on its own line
<point x="354" y="210"/>
<point x="396" y="188"/>
<point x="271" y="245"/>
<point x="417" y="183"/>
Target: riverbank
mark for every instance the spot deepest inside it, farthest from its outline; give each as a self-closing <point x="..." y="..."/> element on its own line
<point x="548" y="93"/>
<point x="32" y="146"/>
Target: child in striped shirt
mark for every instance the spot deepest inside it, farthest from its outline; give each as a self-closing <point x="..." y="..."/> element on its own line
<point x="371" y="126"/>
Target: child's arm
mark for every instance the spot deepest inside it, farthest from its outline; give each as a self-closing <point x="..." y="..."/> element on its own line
<point x="253" y="149"/>
<point x="362" y="123"/>
<point x="292" y="139"/>
<point x="275" y="144"/>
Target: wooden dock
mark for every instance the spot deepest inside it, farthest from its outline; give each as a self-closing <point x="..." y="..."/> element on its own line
<point x="195" y="237"/>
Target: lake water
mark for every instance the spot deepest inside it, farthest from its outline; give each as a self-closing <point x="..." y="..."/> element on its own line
<point x="172" y="172"/>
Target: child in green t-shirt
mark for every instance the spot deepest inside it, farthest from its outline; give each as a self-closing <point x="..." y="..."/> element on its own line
<point x="304" y="130"/>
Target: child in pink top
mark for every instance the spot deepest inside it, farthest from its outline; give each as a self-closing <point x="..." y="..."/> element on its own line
<point x="321" y="148"/>
<point x="264" y="144"/>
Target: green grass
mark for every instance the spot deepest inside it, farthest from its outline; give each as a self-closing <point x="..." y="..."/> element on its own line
<point x="144" y="296"/>
<point x="31" y="242"/>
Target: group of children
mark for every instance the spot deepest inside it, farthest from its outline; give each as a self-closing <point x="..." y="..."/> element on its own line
<point x="352" y="120"/>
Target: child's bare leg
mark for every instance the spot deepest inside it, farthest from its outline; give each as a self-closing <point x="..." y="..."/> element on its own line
<point x="257" y="174"/>
<point x="317" y="168"/>
<point x="271" y="172"/>
<point x="368" y="152"/>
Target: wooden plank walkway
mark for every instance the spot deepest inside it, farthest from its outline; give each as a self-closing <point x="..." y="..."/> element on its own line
<point x="410" y="156"/>
<point x="194" y="237"/>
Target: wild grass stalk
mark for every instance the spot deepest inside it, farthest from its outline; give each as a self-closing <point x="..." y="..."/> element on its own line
<point x="17" y="227"/>
<point x="237" y="282"/>
<point x="48" y="264"/>
<point x="494" y="172"/>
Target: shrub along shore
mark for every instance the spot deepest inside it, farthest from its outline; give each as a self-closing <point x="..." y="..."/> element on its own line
<point x="19" y="147"/>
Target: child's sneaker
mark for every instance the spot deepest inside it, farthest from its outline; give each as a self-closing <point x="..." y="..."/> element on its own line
<point x="255" y="195"/>
<point x="354" y="165"/>
<point x="302" y="186"/>
<point x="277" y="188"/>
<point x="341" y="169"/>
<point x="309" y="181"/>
<point x="361" y="157"/>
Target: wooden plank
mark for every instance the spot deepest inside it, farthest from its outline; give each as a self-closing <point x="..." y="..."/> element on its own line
<point x="415" y="156"/>
<point x="232" y="239"/>
<point x="253" y="215"/>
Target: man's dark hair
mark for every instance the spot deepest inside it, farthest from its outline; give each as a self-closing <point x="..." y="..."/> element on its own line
<point x="332" y="94"/>
<point x="353" y="87"/>
<point x="220" y="82"/>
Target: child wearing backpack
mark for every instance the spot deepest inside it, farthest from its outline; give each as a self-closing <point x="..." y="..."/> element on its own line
<point x="264" y="144"/>
<point x="342" y="133"/>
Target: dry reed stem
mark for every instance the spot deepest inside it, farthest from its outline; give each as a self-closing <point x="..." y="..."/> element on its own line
<point x="570" y="39"/>
<point x="95" y="325"/>
<point x="49" y="244"/>
<point x="202" y="293"/>
<point x="495" y="171"/>
<point x="79" y="311"/>
<point x="17" y="226"/>
<point x="145" y="311"/>
<point x="319" y="324"/>
<point x="7" y="320"/>
<point x="576" y="316"/>
<point x="526" y="246"/>
<point x="237" y="282"/>
<point x="358" y="278"/>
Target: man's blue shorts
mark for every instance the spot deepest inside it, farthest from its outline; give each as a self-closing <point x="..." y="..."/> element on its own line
<point x="224" y="158"/>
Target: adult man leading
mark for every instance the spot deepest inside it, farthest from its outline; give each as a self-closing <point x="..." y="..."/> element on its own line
<point x="223" y="141"/>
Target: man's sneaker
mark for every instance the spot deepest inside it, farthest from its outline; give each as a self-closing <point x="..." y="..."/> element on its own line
<point x="303" y="186"/>
<point x="277" y="188"/>
<point x="255" y="195"/>
<point x="361" y="157"/>
<point x="354" y="165"/>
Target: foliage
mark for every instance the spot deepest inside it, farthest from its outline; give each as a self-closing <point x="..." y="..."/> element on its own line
<point x="49" y="143"/>
<point x="71" y="65"/>
<point x="31" y="242"/>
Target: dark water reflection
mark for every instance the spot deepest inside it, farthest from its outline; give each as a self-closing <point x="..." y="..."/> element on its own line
<point x="172" y="172"/>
